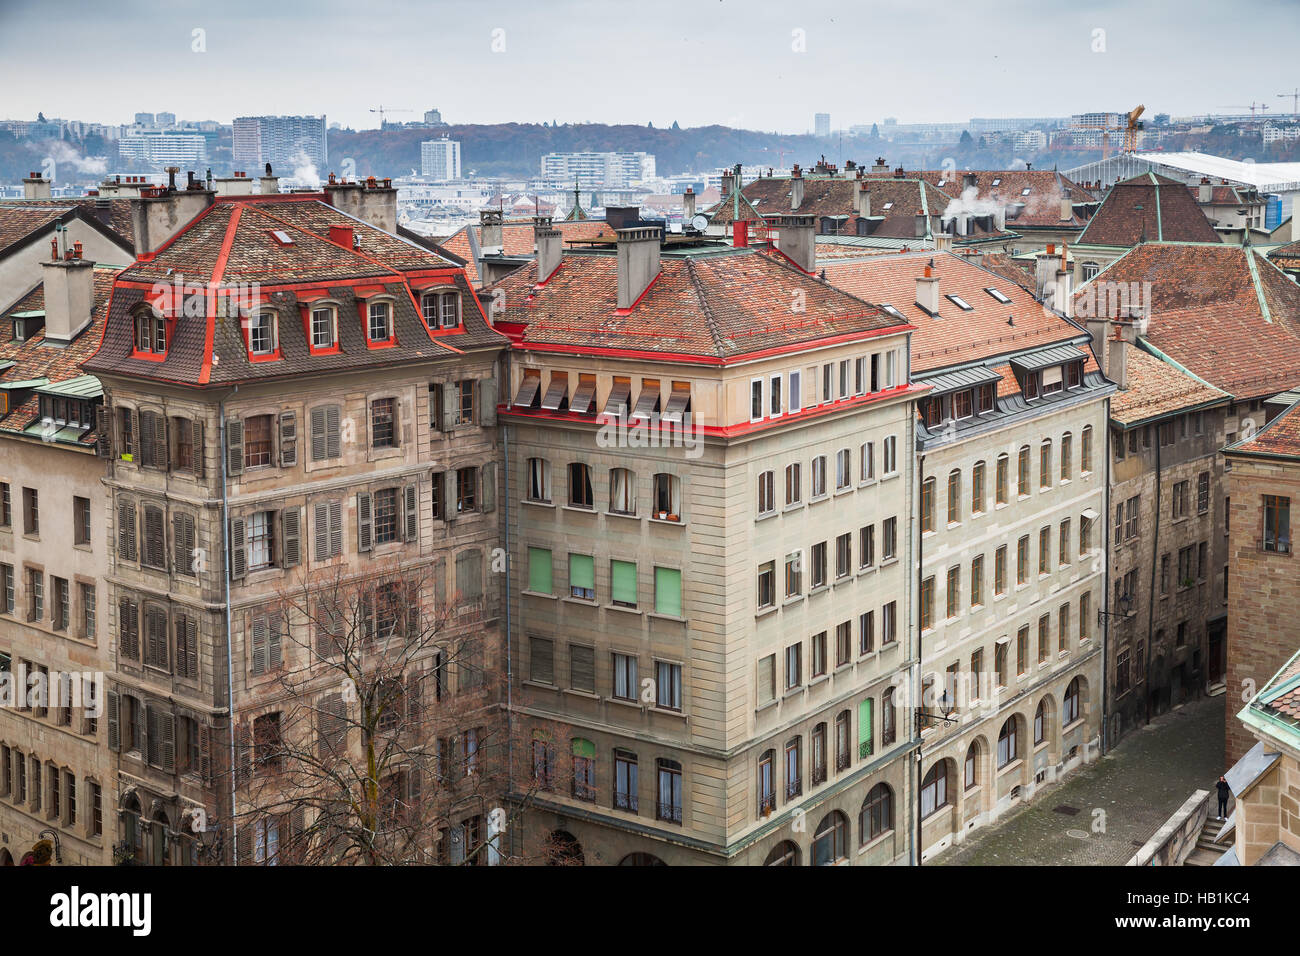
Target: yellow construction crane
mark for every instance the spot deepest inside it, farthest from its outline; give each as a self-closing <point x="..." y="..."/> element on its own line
<point x="1131" y="131"/>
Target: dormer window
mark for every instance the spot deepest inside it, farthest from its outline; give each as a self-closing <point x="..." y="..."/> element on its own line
<point x="1051" y="379"/>
<point x="890" y="311"/>
<point x="379" y="324"/>
<point x="324" y="327"/>
<point x="441" y="309"/>
<point x="263" y="336"/>
<point x="1073" y="374"/>
<point x="150" y="333"/>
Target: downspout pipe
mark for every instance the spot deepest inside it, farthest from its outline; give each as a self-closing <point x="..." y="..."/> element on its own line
<point x="917" y="824"/>
<point x="1105" y="589"/>
<point x="510" y="680"/>
<point x="230" y="666"/>
<point x="1151" y="601"/>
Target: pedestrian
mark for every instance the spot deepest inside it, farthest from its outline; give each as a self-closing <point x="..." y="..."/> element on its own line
<point x="1224" y="790"/>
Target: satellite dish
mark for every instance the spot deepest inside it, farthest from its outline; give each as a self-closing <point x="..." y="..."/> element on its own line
<point x="700" y="223"/>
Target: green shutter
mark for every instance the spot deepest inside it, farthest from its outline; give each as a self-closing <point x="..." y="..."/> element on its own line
<point x="668" y="591"/>
<point x="864" y="728"/>
<point x="582" y="571"/>
<point x="623" y="581"/>
<point x="539" y="570"/>
<point x="584" y="748"/>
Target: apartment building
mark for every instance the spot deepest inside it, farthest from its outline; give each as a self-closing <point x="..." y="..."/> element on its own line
<point x="296" y="396"/>
<point x="55" y="647"/>
<point x="710" y="493"/>
<point x="1012" y="488"/>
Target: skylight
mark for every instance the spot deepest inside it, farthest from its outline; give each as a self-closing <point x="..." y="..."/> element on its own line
<point x="889" y="205"/>
<point x="998" y="181"/>
<point x="996" y="294"/>
<point x="282" y="237"/>
<point x="943" y="182"/>
<point x="890" y="310"/>
<point x="1025" y="191"/>
<point x="960" y="302"/>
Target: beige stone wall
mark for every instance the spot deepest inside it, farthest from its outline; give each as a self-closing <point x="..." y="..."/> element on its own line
<point x="1270" y="813"/>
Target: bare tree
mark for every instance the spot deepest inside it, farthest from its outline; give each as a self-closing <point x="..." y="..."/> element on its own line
<point x="384" y="740"/>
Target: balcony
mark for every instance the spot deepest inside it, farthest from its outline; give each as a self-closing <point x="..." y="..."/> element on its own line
<point x="668" y="811"/>
<point x="626" y="801"/>
<point x="793" y="789"/>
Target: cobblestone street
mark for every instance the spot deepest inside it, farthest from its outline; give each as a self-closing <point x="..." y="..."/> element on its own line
<point x="1139" y="785"/>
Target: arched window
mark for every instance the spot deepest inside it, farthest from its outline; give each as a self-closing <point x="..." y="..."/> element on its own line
<point x="793" y="767"/>
<point x="1070" y="703"/>
<point x="580" y="495"/>
<point x="888" y="726"/>
<point x="972" y="778"/>
<point x="132" y="831"/>
<point x="667" y="497"/>
<point x="1008" y="743"/>
<point x="584" y="769"/>
<point x="641" y="859"/>
<point x="767" y="783"/>
<point x="1040" y="722"/>
<point x="161" y="834"/>
<point x="622" y="491"/>
<point x="831" y="841"/>
<point x="784" y="853"/>
<point x="934" y="789"/>
<point x="150" y="332"/>
<point x="441" y="309"/>
<point x="379" y="321"/>
<point x="877" y="815"/>
<point x="954" y="496"/>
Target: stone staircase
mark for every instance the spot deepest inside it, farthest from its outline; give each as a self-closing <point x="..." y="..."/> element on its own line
<point x="1206" y="851"/>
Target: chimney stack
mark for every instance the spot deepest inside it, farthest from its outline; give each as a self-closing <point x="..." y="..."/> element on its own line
<point x="343" y="235"/>
<point x="797" y="241"/>
<point x="796" y="188"/>
<point x="550" y="248"/>
<point x="1206" y="191"/>
<point x="943" y="242"/>
<point x="969" y="180"/>
<point x="1062" y="294"/>
<point x="1044" y="270"/>
<point x="491" y="238"/>
<point x="1067" y="209"/>
<point x="922" y="223"/>
<point x="268" y="183"/>
<point x="927" y="291"/>
<point x="688" y="205"/>
<point x="69" y="296"/>
<point x="36" y="186"/>
<point x="373" y="202"/>
<point x="157" y="215"/>
<point x="881" y="167"/>
<point x="728" y="183"/>
<point x="638" y="262"/>
<point x="864" y="197"/>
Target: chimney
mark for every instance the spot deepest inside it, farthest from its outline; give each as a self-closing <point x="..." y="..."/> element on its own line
<point x="550" y="248"/>
<point x="491" y="238"/>
<point x="688" y="205"/>
<point x="158" y="214"/>
<point x="36" y="186"/>
<point x="927" y="291"/>
<point x="1063" y="298"/>
<point x="864" y="198"/>
<point x="797" y="240"/>
<point x="1067" y="209"/>
<point x="1044" y="271"/>
<point x="373" y="202"/>
<point x="638" y="262"/>
<point x="343" y="235"/>
<point x="69" y="296"/>
<point x="1000" y="218"/>
<point x="268" y="183"/>
<point x="728" y="183"/>
<point x="1117" y="361"/>
<point x="796" y="188"/>
<point x="1206" y="190"/>
<point x="969" y="181"/>
<point x="943" y="242"/>
<point x="922" y="222"/>
<point x="881" y="167"/>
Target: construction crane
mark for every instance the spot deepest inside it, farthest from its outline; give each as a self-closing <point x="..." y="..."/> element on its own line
<point x="1295" y="100"/>
<point x="1252" y="107"/>
<point x="382" y="110"/>
<point x="1131" y="131"/>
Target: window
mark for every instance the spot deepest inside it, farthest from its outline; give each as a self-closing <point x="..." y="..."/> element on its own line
<point x="793" y="768"/>
<point x="257" y="441"/>
<point x="818" y="476"/>
<point x="1022" y="472"/>
<point x="539" y="480"/>
<point x="383" y="423"/>
<point x="755" y="399"/>
<point x="977" y="581"/>
<point x="1277" y="524"/>
<point x="440" y="309"/>
<point x="625" y="781"/>
<point x="766" y="493"/>
<point x="1044" y="550"/>
<point x="843" y="554"/>
<point x="1070" y="703"/>
<point x="668" y="592"/>
<point x="843" y="470"/>
<point x="667" y="497"/>
<point x="584" y="769"/>
<point x="817" y="573"/>
<point x="1040" y="722"/>
<point x="262" y="333"/>
<point x="934" y="790"/>
<point x="793" y="666"/>
<point x="867" y="461"/>
<point x="668" y="685"/>
<point x="580" y="493"/>
<point x="1179" y="502"/>
<point x="625" y="684"/>
<point x="324" y="328"/>
<point x="927" y="603"/>
<point x="927" y="505"/>
<point x="817" y="655"/>
<point x="1131" y="517"/>
<point x="867" y="546"/>
<point x="87" y="610"/>
<point x="466" y="393"/>
<point x="866" y="632"/>
<point x="1044" y="637"/>
<point x="977" y="488"/>
<point x="1063" y="544"/>
<point x="1085" y="451"/>
<point x="1000" y="570"/>
<point x="150" y="333"/>
<point x="62" y="603"/>
<point x="767" y="585"/>
<point x="889" y="623"/>
<point x="582" y="577"/>
<point x="35" y="595"/>
<point x="1008" y="743"/>
<point x="888" y="718"/>
<point x="793" y="485"/>
<point x="1022" y="650"/>
<point x="623" y="583"/>
<point x="1067" y="445"/>
<point x="1002" y="469"/>
<point x="774" y="396"/>
<point x="1045" y="465"/>
<point x="386" y="525"/>
<point x="31" y="512"/>
<point x="796" y="392"/>
<point x="953" y="592"/>
<point x="890" y="465"/>
<point x="379" y="327"/>
<point x="1022" y="559"/>
<point x="889" y="536"/>
<point x="6" y="506"/>
<point x="766" y="783"/>
<point x="1085" y="615"/>
<point x="954" y="496"/>
<point x="668" y="802"/>
<point x="325" y="433"/>
<point x="1203" y="492"/>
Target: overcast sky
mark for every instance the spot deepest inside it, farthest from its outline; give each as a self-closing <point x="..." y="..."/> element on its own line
<point x="751" y="63"/>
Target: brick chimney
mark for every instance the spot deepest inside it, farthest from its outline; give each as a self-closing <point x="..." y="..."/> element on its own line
<point x="550" y="247"/>
<point x="69" y="296"/>
<point x="492" y="236"/>
<point x="797" y="240"/>
<point x="1206" y="190"/>
<point x="927" y="291"/>
<point x="373" y="201"/>
<point x="638" y="261"/>
<point x="863" y="198"/>
<point x="688" y="205"/>
<point x="36" y="186"/>
<point x="796" y="188"/>
<point x="237" y="184"/>
<point x="728" y="183"/>
<point x="159" y="213"/>
<point x="343" y="235"/>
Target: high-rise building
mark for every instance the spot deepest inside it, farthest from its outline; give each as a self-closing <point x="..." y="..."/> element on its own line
<point x="165" y="119"/>
<point x="593" y="170"/>
<point x="440" y="159"/>
<point x="822" y="124"/>
<point x="433" y="117"/>
<point x="144" y="119"/>
<point x="283" y="141"/>
<point x="163" y="148"/>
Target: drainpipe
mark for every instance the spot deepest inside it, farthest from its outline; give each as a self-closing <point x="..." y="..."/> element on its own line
<point x="916" y="680"/>
<point x="1105" y="590"/>
<point x="510" y="730"/>
<point x="230" y="665"/>
<point x="1151" y="603"/>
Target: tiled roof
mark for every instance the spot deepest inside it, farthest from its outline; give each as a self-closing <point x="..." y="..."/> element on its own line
<point x="1287" y="256"/>
<point x="957" y="336"/>
<point x="17" y="222"/>
<point x="1222" y="312"/>
<point x="34" y="360"/>
<point x="1021" y="273"/>
<point x="712" y="306"/>
<point x="115" y="214"/>
<point x="1157" y="388"/>
<point x="231" y="244"/>
<point x="1280" y="697"/>
<point x="1042" y="204"/>
<point x="1148" y="208"/>
<point x="517" y="239"/>
<point x="1280" y="437"/>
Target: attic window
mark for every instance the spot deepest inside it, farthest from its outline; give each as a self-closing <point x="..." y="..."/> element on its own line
<point x="441" y="309"/>
<point x="150" y="333"/>
<point x="262" y="334"/>
<point x="282" y="237"/>
<point x="1025" y="191"/>
<point x="890" y="311"/>
<point x="960" y="303"/>
<point x="996" y="294"/>
<point x="889" y="205"/>
<point x="942" y="183"/>
<point x="998" y="181"/>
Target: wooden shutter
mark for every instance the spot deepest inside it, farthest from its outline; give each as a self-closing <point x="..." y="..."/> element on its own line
<point x="291" y="536"/>
<point x="114" y="724"/>
<point x="257" y="643"/>
<point x="103" y="431"/>
<point x="238" y="552"/>
<point x="414" y="699"/>
<point x="243" y="758"/>
<point x="487" y="398"/>
<point x="146" y="439"/>
<point x="128" y="629"/>
<point x="320" y="530"/>
<point x="488" y="487"/>
<point x="317" y="426"/>
<point x="187" y="648"/>
<point x="160" y="457"/>
<point x="336" y="527"/>
<point x="198" y="453"/>
<point x="234" y="446"/>
<point x="449" y="511"/>
<point x="329" y="628"/>
<point x="153" y="736"/>
<point x="274" y="632"/>
<point x="205" y="752"/>
<point x="332" y="449"/>
<point x="126" y="529"/>
<point x="183" y="543"/>
<point x="410" y="499"/>
<point x="296" y="850"/>
<point x="244" y="850"/>
<point x="397" y="421"/>
<point x="155" y="539"/>
<point x="450" y="405"/>
<point x="331" y="725"/>
<point x="134" y="448"/>
<point x="288" y="439"/>
<point x="364" y="522"/>
<point x="767" y="679"/>
<point x="167" y="741"/>
<point x="583" y="660"/>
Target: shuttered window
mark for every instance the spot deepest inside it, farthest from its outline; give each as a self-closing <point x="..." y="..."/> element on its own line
<point x="288" y="439"/>
<point x="623" y="583"/>
<point x="183" y="543"/>
<point x="187" y="647"/>
<point x="325" y="432"/>
<point x="327" y="529"/>
<point x="154" y="553"/>
<point x="126" y="530"/>
<point x="128" y="629"/>
<point x="864" y="728"/>
<point x="767" y="679"/>
<point x="668" y="591"/>
<point x="582" y="668"/>
<point x="264" y="635"/>
<point x="155" y="650"/>
<point x="541" y="657"/>
<point x="582" y="576"/>
<point x="290" y="537"/>
<point x="539" y="570"/>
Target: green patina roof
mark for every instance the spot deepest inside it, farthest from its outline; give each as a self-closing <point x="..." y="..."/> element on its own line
<point x="83" y="386"/>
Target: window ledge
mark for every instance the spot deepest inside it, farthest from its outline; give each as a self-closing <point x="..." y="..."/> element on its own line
<point x="820" y="589"/>
<point x="867" y="483"/>
<point x="623" y="610"/>
<point x="819" y="679"/>
<point x="868" y="569"/>
<point x="765" y="515"/>
<point x="1007" y="768"/>
<point x="539" y="685"/>
<point x="665" y="617"/>
<point x="581" y="601"/>
<point x="792" y="600"/>
<point x="792" y="692"/>
<point x="765" y="611"/>
<point x="842" y="491"/>
<point x="622" y="514"/>
<point x="537" y="504"/>
<point x="672" y="524"/>
<point x="818" y="499"/>
<point x="579" y="510"/>
<point x="540" y="594"/>
<point x="794" y="507"/>
<point x="585" y="694"/>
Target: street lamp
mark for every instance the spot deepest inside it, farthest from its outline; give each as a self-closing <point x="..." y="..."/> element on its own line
<point x="1125" y="606"/>
<point x="53" y="837"/>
